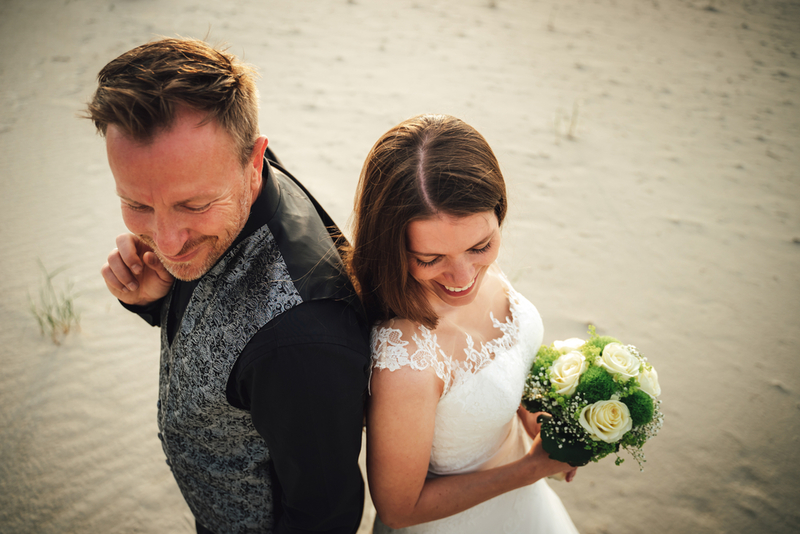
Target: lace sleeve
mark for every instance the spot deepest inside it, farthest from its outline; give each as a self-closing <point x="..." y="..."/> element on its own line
<point x="390" y="351"/>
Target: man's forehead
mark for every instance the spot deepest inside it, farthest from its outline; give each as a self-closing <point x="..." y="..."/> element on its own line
<point x="191" y="135"/>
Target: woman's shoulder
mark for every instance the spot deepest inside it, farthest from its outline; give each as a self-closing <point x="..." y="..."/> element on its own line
<point x="398" y="324"/>
<point x="398" y="338"/>
<point x="403" y="344"/>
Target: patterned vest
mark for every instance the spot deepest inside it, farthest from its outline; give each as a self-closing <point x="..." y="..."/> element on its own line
<point x="218" y="458"/>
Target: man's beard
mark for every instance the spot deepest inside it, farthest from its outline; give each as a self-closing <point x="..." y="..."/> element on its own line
<point x="192" y="270"/>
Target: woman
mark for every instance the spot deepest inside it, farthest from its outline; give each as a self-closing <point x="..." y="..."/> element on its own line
<point x="449" y="449"/>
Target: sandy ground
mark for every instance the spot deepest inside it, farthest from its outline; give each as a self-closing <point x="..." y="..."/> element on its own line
<point x="651" y="151"/>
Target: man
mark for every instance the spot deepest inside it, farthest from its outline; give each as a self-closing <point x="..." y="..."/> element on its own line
<point x="264" y="352"/>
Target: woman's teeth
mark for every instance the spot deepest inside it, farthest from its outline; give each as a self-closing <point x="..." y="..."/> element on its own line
<point x="459" y="289"/>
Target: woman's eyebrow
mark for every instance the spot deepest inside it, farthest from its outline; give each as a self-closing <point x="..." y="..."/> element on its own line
<point x="476" y="245"/>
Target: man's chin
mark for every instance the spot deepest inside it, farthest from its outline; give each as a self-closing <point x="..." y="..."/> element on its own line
<point x="186" y="272"/>
<point x="190" y="270"/>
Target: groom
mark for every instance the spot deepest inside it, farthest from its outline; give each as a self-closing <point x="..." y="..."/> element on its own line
<point x="264" y="352"/>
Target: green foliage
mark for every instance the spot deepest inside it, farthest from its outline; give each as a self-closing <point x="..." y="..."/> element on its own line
<point x="641" y="407"/>
<point x="635" y="439"/>
<point x="591" y="352"/>
<point x="596" y="385"/>
<point x="598" y="342"/>
<point x="603" y="449"/>
<point x="601" y="342"/>
<point x="544" y="359"/>
<point x="55" y="310"/>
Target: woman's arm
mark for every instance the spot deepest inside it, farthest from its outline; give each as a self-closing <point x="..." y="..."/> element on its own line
<point x="400" y="423"/>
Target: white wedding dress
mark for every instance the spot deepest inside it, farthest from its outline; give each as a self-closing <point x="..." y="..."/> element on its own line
<point x="476" y="423"/>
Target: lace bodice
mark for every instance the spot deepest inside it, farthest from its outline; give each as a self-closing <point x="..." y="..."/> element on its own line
<point x="482" y="387"/>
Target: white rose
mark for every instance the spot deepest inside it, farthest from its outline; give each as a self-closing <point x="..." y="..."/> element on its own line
<point x="648" y="382"/>
<point x="568" y="345"/>
<point x="566" y="371"/>
<point x="619" y="361"/>
<point x="606" y="420"/>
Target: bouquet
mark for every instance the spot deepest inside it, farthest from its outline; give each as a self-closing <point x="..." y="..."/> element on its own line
<point x="601" y="396"/>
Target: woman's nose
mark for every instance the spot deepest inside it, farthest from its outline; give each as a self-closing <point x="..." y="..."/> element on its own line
<point x="462" y="273"/>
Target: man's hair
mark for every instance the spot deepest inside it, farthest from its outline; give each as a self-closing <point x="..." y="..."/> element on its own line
<point x="424" y="166"/>
<point x="143" y="90"/>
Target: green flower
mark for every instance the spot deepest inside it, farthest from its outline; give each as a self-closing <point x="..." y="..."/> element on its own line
<point x="596" y="385"/>
<point x="640" y="404"/>
<point x="599" y="342"/>
<point x="544" y="359"/>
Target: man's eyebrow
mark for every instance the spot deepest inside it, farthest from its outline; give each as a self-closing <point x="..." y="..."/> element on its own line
<point x="196" y="198"/>
<point x="126" y="199"/>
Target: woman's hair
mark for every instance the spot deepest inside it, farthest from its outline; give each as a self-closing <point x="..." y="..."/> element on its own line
<point x="425" y="166"/>
<point x="142" y="91"/>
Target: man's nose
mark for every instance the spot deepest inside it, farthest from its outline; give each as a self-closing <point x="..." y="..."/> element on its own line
<point x="169" y="235"/>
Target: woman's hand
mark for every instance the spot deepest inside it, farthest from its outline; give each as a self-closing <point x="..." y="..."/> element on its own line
<point x="530" y="421"/>
<point x="532" y="426"/>
<point x="543" y="466"/>
<point x="571" y="474"/>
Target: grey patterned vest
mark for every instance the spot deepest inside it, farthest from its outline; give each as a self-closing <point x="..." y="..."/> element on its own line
<point x="218" y="458"/>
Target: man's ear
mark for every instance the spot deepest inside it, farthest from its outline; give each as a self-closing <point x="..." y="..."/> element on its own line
<point x="256" y="165"/>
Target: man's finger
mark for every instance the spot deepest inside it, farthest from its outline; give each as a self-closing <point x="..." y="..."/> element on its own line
<point x="112" y="282"/>
<point x="129" y="253"/>
<point x="119" y="273"/>
<point x="155" y="264"/>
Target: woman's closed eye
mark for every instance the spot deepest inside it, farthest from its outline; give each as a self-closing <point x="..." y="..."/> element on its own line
<point x="482" y="249"/>
<point x="427" y="263"/>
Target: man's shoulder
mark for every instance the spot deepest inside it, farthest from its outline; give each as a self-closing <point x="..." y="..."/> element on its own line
<point x="304" y="234"/>
<point x="333" y="321"/>
<point x="322" y="337"/>
<point x="327" y="335"/>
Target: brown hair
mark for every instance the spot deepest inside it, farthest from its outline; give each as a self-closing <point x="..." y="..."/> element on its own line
<point x="142" y="91"/>
<point x="426" y="165"/>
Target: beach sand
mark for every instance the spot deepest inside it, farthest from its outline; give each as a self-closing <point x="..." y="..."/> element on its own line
<point x="651" y="154"/>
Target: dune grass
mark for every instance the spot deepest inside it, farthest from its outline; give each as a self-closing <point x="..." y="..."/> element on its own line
<point x="55" y="310"/>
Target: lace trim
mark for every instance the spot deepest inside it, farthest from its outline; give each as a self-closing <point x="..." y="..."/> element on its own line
<point x="389" y="349"/>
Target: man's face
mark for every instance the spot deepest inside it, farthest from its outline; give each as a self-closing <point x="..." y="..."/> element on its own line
<point x="185" y="194"/>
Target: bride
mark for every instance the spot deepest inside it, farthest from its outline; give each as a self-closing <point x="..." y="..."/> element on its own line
<point x="449" y="449"/>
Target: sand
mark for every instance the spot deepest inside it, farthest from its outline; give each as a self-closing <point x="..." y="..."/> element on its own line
<point x="651" y="153"/>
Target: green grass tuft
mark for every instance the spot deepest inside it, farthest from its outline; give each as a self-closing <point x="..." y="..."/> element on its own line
<point x="55" y="310"/>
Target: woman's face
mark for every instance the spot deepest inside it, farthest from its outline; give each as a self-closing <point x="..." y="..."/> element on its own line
<point x="450" y="255"/>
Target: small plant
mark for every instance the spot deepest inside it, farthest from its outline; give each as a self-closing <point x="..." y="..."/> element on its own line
<point x="567" y="125"/>
<point x="55" y="311"/>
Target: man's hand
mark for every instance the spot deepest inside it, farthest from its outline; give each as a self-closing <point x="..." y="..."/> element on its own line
<point x="134" y="274"/>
